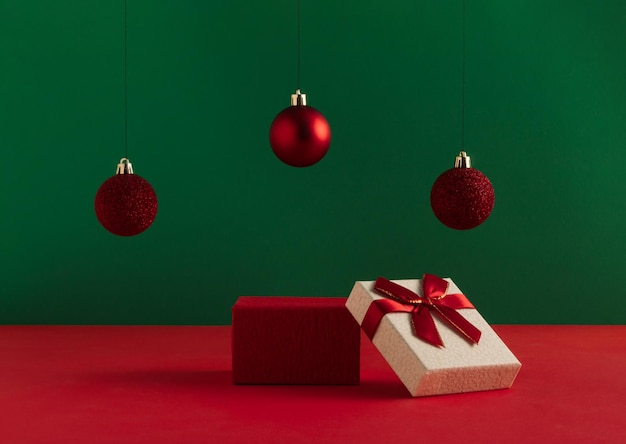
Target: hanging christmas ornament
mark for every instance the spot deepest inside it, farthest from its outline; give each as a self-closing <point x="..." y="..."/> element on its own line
<point x="300" y="134"/>
<point x="126" y="203"/>
<point x="462" y="197"/>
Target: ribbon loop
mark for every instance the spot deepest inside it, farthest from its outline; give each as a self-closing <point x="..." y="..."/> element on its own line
<point x="435" y="298"/>
<point x="434" y="286"/>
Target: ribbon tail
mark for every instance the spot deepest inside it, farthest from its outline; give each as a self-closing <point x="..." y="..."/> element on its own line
<point x="424" y="326"/>
<point x="375" y="313"/>
<point x="458" y="322"/>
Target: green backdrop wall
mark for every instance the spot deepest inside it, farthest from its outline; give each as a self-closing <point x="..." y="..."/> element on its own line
<point x="545" y="120"/>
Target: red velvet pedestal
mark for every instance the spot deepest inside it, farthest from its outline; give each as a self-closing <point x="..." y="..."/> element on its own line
<point x="294" y="340"/>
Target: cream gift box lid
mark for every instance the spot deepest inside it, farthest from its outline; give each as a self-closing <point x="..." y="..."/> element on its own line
<point x="429" y="370"/>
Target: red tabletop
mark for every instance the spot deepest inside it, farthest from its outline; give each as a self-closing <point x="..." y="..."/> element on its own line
<point x="173" y="385"/>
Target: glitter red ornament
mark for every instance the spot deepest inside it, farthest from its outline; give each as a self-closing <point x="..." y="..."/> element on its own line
<point x="300" y="134"/>
<point x="126" y="204"/>
<point x="462" y="197"/>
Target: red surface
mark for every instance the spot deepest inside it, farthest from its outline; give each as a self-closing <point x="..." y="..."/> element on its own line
<point x="294" y="340"/>
<point x="173" y="385"/>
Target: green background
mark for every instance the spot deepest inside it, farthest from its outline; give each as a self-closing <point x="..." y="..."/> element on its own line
<point x="545" y="120"/>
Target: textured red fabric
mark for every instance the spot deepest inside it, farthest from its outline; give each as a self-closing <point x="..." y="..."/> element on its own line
<point x="294" y="340"/>
<point x="119" y="385"/>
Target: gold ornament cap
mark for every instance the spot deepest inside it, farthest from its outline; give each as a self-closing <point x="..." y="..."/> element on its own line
<point x="462" y="160"/>
<point x="298" y="99"/>
<point x="124" y="167"/>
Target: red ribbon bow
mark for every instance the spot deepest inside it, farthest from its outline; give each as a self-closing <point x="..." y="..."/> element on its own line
<point x="436" y="298"/>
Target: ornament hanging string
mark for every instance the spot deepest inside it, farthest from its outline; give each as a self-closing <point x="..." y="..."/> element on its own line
<point x="125" y="79"/>
<point x="298" y="82"/>
<point x="463" y="83"/>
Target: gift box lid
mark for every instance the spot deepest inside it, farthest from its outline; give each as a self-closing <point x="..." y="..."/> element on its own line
<point x="458" y="366"/>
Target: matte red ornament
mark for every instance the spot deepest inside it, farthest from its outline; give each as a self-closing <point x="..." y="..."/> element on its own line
<point x="300" y="135"/>
<point x="462" y="197"/>
<point x="126" y="204"/>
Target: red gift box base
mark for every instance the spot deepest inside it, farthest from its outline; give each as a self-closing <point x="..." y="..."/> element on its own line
<point x="294" y="340"/>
